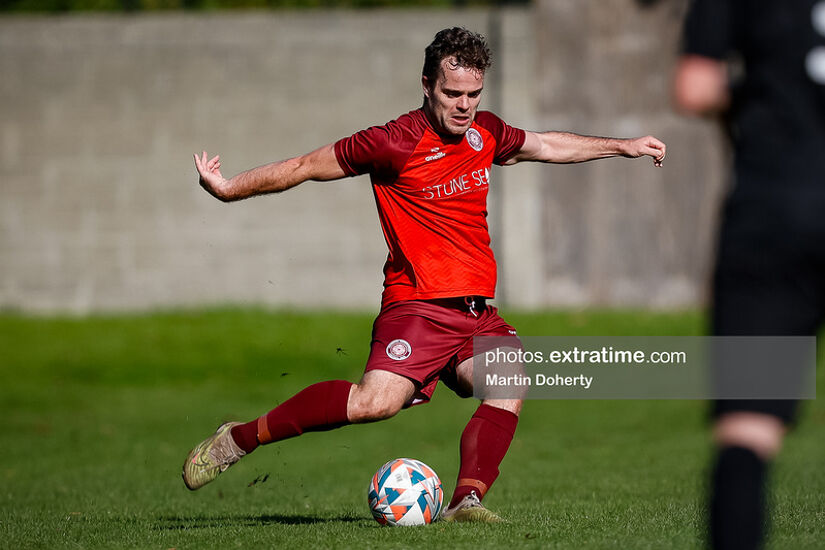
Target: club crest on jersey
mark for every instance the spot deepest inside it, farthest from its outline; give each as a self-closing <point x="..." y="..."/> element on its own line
<point x="399" y="349"/>
<point x="474" y="139"/>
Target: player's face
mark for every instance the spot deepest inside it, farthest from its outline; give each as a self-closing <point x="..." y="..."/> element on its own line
<point x="451" y="101"/>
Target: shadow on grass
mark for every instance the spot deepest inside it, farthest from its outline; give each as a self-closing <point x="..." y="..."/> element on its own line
<point x="173" y="523"/>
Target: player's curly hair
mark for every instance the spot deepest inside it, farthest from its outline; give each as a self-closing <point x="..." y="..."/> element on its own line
<point x="468" y="50"/>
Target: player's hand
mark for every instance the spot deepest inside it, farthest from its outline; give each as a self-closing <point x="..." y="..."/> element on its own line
<point x="210" y="177"/>
<point x="646" y="146"/>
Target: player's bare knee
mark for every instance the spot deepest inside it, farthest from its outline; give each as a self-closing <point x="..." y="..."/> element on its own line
<point x="382" y="409"/>
<point x="512" y="405"/>
<point x="373" y="412"/>
<point x="369" y="406"/>
<point x="378" y="396"/>
<point x="762" y="433"/>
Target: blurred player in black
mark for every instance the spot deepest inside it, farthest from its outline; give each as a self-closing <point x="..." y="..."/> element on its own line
<point x="770" y="270"/>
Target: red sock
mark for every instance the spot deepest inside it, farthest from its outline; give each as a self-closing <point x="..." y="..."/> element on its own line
<point x="317" y="408"/>
<point x="483" y="445"/>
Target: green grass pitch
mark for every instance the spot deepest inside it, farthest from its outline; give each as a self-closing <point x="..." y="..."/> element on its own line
<point x="99" y="413"/>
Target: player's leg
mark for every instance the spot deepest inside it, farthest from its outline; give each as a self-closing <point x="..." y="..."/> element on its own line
<point x="746" y="443"/>
<point x="766" y="283"/>
<point x="484" y="443"/>
<point x="319" y="407"/>
<point x="326" y="406"/>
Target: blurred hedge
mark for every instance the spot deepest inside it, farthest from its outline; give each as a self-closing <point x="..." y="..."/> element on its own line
<point x="160" y="5"/>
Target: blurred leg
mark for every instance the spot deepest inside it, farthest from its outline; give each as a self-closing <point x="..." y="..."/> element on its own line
<point x="746" y="443"/>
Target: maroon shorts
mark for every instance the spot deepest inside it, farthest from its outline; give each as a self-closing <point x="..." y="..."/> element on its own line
<point x="425" y="340"/>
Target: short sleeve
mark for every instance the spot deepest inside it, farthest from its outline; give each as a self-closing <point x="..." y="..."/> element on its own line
<point x="709" y="29"/>
<point x="360" y="153"/>
<point x="379" y="151"/>
<point x="509" y="140"/>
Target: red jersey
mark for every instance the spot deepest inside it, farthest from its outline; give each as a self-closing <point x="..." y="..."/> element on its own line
<point x="431" y="193"/>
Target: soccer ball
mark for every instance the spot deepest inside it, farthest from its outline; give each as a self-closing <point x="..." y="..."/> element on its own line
<point x="405" y="491"/>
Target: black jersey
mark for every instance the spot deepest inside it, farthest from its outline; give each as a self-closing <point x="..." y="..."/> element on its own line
<point x="777" y="118"/>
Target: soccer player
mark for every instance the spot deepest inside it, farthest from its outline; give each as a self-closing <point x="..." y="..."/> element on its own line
<point x="430" y="172"/>
<point x="770" y="268"/>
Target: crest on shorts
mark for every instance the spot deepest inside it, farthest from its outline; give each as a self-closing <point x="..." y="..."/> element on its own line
<point x="474" y="139"/>
<point x="399" y="349"/>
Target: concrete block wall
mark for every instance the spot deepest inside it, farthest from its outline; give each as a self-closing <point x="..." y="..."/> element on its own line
<point x="100" y="209"/>
<point x="620" y="233"/>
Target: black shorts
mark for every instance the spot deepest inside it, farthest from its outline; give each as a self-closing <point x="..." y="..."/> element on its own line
<point x="770" y="274"/>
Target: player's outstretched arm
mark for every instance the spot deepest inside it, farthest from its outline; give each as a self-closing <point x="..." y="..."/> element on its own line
<point x="566" y="147"/>
<point x="319" y="165"/>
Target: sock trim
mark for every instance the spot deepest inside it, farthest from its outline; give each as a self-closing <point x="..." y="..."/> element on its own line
<point x="474" y="483"/>
<point x="264" y="436"/>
